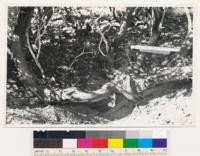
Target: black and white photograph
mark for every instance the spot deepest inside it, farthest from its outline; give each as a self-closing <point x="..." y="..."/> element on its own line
<point x="121" y="66"/>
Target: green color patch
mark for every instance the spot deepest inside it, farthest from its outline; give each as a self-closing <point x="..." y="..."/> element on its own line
<point x="130" y="143"/>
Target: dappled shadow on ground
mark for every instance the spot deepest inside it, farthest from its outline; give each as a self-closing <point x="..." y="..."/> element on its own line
<point x="104" y="112"/>
<point x="170" y="90"/>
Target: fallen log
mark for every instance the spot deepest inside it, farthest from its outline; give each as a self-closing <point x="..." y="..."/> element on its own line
<point x="122" y="84"/>
<point x="165" y="75"/>
<point x="73" y="94"/>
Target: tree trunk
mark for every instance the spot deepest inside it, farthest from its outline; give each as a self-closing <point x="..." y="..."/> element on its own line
<point x="122" y="84"/>
<point x="19" y="49"/>
<point x="119" y="37"/>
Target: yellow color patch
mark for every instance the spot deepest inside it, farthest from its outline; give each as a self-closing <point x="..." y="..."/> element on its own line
<point x="115" y="143"/>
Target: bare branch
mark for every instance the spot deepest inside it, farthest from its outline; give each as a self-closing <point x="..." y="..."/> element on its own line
<point x="81" y="54"/>
<point x="10" y="53"/>
<point x="44" y="27"/>
<point x="45" y="24"/>
<point x="102" y="37"/>
<point x="39" y="43"/>
<point x="99" y="47"/>
<point x="162" y="18"/>
<point x="32" y="53"/>
<point x="105" y="41"/>
<point x="189" y="19"/>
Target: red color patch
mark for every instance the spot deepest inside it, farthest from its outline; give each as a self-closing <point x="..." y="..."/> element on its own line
<point x="99" y="143"/>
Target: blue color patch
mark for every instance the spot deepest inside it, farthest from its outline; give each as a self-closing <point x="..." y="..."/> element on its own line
<point x="145" y="143"/>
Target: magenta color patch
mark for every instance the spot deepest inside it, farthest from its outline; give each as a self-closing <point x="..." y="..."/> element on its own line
<point x="84" y="143"/>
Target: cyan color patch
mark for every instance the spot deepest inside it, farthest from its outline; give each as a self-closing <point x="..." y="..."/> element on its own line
<point x="145" y="143"/>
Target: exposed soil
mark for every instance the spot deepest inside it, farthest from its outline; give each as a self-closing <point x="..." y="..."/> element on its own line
<point x="166" y="104"/>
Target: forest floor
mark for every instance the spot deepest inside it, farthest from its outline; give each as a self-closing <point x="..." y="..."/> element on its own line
<point x="171" y="104"/>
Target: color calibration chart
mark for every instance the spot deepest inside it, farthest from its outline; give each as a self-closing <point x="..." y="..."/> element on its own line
<point x="100" y="143"/>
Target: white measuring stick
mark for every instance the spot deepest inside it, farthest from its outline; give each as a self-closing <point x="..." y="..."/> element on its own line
<point x="156" y="50"/>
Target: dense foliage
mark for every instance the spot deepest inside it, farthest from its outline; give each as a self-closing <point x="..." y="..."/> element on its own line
<point x="73" y="44"/>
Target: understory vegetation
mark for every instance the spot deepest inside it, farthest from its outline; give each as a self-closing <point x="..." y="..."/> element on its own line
<point x="75" y="65"/>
